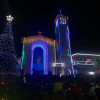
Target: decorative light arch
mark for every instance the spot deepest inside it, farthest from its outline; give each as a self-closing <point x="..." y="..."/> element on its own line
<point x="45" y="55"/>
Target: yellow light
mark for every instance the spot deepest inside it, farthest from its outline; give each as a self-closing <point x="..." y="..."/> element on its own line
<point x="61" y="64"/>
<point x="9" y="18"/>
<point x="32" y="39"/>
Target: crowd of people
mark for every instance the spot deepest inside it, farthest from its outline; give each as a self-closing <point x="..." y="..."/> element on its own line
<point x="78" y="87"/>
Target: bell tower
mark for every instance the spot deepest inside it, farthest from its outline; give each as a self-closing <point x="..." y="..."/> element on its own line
<point x="63" y="48"/>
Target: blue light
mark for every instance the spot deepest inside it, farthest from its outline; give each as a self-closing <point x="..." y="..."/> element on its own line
<point x="59" y="38"/>
<point x="45" y="55"/>
<point x="66" y="35"/>
<point x="60" y="49"/>
<point x="38" y="59"/>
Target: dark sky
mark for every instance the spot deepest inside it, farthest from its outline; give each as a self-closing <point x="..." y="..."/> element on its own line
<point x="31" y="16"/>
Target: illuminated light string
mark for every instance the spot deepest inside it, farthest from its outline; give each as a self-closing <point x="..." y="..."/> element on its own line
<point x="23" y="53"/>
<point x="32" y="39"/>
<point x="81" y="54"/>
<point x="8" y="61"/>
<point x="56" y="23"/>
<point x="60" y="49"/>
<point x="68" y="41"/>
<point x="67" y="36"/>
<point x="38" y="45"/>
<point x="61" y="71"/>
<point x="85" y="54"/>
<point x="59" y="42"/>
<point x="97" y="62"/>
<point x="70" y="49"/>
<point x="68" y="52"/>
<point x="83" y="63"/>
<point x="45" y="55"/>
<point x="55" y="50"/>
<point x="59" y="38"/>
<point x="69" y="71"/>
<point x="55" y="64"/>
<point x="55" y="30"/>
<point x="60" y="15"/>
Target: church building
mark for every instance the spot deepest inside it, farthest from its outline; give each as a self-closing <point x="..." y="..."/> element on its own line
<point x="43" y="55"/>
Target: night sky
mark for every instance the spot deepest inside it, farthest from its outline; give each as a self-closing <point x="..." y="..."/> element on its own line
<point x="31" y="16"/>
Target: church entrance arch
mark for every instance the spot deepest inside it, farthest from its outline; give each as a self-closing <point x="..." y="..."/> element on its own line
<point x="39" y="58"/>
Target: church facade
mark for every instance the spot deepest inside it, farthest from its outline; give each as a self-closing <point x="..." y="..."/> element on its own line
<point x="42" y="55"/>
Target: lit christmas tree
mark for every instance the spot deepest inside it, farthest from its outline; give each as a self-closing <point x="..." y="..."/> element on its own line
<point x="8" y="62"/>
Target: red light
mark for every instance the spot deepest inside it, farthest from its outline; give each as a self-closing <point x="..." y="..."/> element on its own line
<point x="2" y="83"/>
<point x="39" y="32"/>
<point x="75" y="71"/>
<point x="58" y="60"/>
<point x="99" y="70"/>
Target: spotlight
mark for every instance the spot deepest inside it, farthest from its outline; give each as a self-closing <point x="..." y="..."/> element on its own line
<point x="91" y="73"/>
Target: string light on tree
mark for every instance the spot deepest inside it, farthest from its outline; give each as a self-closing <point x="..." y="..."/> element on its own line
<point x="8" y="60"/>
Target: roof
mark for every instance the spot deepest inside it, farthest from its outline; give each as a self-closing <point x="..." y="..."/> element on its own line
<point x="32" y="39"/>
<point x="82" y="54"/>
<point x="60" y="16"/>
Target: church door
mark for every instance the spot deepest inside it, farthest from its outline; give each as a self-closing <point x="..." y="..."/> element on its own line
<point x="38" y="61"/>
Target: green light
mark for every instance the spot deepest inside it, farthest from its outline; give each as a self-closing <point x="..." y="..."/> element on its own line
<point x="55" y="29"/>
<point x="23" y="53"/>
<point x="97" y="62"/>
<point x="68" y="52"/>
<point x="57" y="50"/>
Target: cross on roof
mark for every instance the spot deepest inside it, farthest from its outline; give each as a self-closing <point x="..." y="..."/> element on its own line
<point x="39" y="32"/>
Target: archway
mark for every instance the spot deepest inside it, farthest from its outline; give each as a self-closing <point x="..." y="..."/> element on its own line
<point x="43" y="56"/>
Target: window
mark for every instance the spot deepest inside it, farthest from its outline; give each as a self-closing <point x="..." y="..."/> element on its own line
<point x="62" y="20"/>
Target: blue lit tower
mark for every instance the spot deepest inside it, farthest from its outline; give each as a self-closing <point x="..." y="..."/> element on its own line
<point x="63" y="49"/>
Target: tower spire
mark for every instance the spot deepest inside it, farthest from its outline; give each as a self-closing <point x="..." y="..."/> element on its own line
<point x="60" y="11"/>
<point x="6" y="38"/>
<point x="8" y="27"/>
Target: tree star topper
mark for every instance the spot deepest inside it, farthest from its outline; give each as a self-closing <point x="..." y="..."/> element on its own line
<point x="9" y="18"/>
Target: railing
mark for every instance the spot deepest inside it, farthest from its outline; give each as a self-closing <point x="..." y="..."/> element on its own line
<point x="83" y="63"/>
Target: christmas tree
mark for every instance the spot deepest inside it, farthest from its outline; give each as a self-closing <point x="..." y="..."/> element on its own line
<point x="8" y="62"/>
